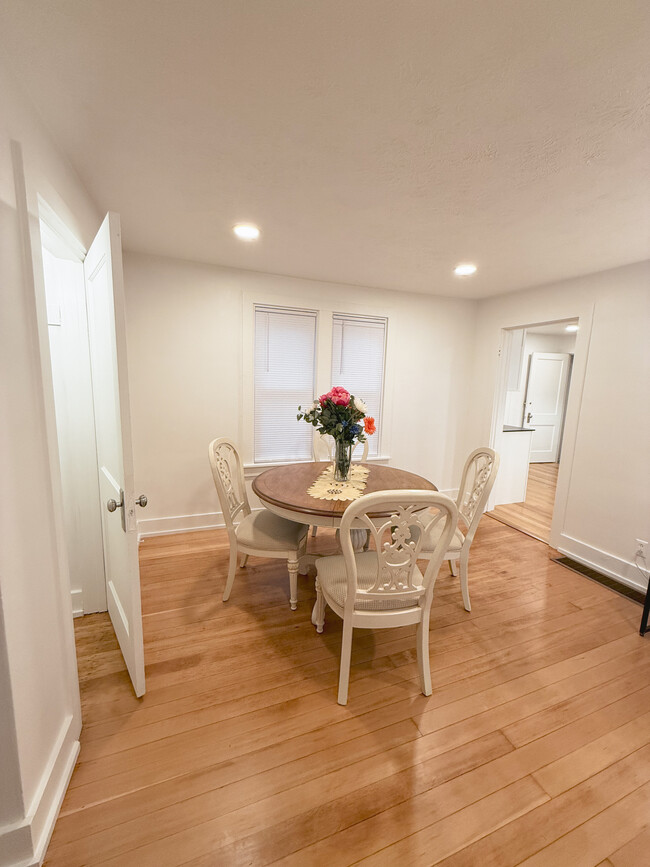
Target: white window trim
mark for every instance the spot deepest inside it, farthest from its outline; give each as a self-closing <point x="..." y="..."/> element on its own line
<point x="324" y="314"/>
<point x="376" y="317"/>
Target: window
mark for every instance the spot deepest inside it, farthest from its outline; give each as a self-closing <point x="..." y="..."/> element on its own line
<point x="285" y="351"/>
<point x="358" y="347"/>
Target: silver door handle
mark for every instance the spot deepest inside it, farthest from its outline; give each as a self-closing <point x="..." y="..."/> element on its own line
<point x="142" y="501"/>
<point x="528" y="417"/>
<point x="112" y="505"/>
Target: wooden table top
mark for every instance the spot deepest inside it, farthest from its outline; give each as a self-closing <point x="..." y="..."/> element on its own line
<point x="286" y="487"/>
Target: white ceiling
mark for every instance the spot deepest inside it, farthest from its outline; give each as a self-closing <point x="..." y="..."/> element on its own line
<point x="374" y="142"/>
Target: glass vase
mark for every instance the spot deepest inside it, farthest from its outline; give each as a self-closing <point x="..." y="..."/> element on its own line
<point x="342" y="460"/>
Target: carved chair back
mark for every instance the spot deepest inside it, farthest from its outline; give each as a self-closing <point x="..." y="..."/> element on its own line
<point x="478" y="478"/>
<point x="398" y="538"/>
<point x="228" y="475"/>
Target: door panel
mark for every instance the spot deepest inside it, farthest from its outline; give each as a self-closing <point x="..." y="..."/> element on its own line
<point x="107" y="335"/>
<point x="546" y="393"/>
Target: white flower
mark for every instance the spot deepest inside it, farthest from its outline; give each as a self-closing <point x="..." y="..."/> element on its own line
<point x="314" y="406"/>
<point x="360" y="406"/>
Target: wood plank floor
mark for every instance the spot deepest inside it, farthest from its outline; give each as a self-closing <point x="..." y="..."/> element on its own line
<point x="533" y="749"/>
<point x="535" y="514"/>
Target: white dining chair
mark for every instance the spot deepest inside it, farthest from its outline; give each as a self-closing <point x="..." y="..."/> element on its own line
<point x="477" y="481"/>
<point x="384" y="588"/>
<point x="263" y="533"/>
<point x="323" y="450"/>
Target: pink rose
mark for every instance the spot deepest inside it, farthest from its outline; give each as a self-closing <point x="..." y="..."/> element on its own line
<point x="339" y="396"/>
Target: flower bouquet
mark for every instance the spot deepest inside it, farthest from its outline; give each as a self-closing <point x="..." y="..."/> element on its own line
<point x="342" y="416"/>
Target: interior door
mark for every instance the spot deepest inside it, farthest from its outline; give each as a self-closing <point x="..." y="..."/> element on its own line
<point x="546" y="394"/>
<point x="107" y="336"/>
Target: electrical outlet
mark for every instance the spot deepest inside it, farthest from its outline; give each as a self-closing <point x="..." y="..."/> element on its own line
<point x="641" y="549"/>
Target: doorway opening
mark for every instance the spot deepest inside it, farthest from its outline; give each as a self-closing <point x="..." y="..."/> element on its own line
<point x="84" y="299"/>
<point x="537" y="364"/>
<point x="67" y="322"/>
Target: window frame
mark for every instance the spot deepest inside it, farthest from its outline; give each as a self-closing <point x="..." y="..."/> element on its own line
<point x="374" y="318"/>
<point x="300" y="311"/>
<point x="324" y="328"/>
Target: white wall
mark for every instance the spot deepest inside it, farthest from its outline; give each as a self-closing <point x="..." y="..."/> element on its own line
<point x="607" y="494"/>
<point x="39" y="693"/>
<point x="185" y="325"/>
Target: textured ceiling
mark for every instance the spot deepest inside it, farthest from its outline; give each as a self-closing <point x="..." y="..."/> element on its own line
<point x="374" y="142"/>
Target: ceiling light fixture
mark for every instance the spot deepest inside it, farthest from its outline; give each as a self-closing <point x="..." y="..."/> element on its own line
<point x="465" y="270"/>
<point x="246" y="231"/>
<point x="571" y="328"/>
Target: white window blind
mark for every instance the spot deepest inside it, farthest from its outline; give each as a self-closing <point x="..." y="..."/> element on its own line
<point x="285" y="350"/>
<point x="358" y="348"/>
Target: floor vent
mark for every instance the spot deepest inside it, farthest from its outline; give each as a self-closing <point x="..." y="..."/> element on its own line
<point x="619" y="588"/>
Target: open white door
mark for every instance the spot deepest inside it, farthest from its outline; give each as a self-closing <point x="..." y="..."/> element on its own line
<point x="546" y="394"/>
<point x="107" y="335"/>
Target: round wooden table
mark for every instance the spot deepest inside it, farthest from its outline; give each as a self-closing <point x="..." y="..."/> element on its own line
<point x="284" y="491"/>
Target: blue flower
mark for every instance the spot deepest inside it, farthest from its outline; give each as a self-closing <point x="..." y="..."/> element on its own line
<point x="355" y="429"/>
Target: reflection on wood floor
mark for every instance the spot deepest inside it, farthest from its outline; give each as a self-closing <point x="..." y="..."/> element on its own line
<point x="534" y="747"/>
<point x="535" y="514"/>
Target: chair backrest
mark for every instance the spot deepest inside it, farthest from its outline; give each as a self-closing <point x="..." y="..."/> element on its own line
<point x="228" y="475"/>
<point x="398" y="522"/>
<point x="323" y="448"/>
<point x="479" y="474"/>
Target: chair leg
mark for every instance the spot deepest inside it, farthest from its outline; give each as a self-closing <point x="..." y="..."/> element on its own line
<point x="346" y="653"/>
<point x="424" y="668"/>
<point x="232" y="568"/>
<point x="464" y="562"/>
<point x="243" y="561"/>
<point x="318" y="612"/>
<point x="453" y="567"/>
<point x="293" y="583"/>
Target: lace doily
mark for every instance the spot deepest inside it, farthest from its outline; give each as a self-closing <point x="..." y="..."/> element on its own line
<point x="325" y="488"/>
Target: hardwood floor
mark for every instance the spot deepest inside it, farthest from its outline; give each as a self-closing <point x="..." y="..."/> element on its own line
<point x="533" y="749"/>
<point x="535" y="514"/>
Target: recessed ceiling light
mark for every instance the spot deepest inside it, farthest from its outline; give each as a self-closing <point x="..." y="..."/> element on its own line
<point x="571" y="328"/>
<point x="465" y="270"/>
<point x="246" y="231"/>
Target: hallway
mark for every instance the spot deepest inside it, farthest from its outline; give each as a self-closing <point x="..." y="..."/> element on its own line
<point x="535" y="514"/>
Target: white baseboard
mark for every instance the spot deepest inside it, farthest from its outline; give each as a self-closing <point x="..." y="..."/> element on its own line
<point x="24" y="844"/>
<point x="77" y="603"/>
<point x="179" y="524"/>
<point x="182" y="524"/>
<point x="609" y="564"/>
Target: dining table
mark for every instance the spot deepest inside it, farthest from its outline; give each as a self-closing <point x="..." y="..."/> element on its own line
<point x="284" y="490"/>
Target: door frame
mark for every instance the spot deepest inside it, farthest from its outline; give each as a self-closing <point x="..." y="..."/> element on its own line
<point x="584" y="316"/>
<point x="27" y="208"/>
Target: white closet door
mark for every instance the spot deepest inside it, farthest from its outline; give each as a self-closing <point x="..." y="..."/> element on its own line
<point x="546" y="393"/>
<point x="107" y="335"/>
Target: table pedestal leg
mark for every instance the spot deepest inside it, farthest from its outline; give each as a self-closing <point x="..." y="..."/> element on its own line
<point x="359" y="539"/>
<point x="306" y="561"/>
